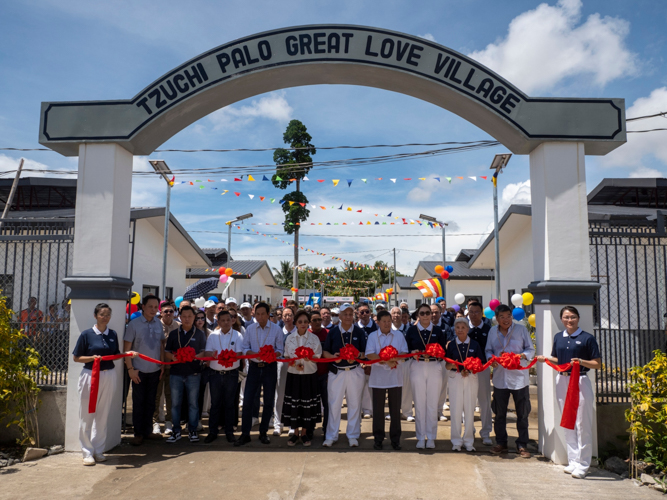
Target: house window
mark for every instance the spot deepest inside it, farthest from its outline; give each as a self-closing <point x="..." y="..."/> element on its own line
<point x="169" y="293"/>
<point x="150" y="290"/>
<point x="510" y="293"/>
<point x="418" y="302"/>
<point x="478" y="298"/>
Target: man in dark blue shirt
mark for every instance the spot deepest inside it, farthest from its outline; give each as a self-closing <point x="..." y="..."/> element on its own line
<point x="368" y="325"/>
<point x="479" y="332"/>
<point x="346" y="378"/>
<point x="185" y="377"/>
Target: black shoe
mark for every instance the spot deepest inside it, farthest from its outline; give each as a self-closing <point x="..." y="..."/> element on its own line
<point x="243" y="440"/>
<point x="396" y="446"/>
<point x="293" y="440"/>
<point x="264" y="439"/>
<point x="230" y="438"/>
<point x="210" y="438"/>
<point x="377" y="445"/>
<point x="194" y="437"/>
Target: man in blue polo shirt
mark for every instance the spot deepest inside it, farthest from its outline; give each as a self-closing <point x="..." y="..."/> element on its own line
<point x="346" y="378"/>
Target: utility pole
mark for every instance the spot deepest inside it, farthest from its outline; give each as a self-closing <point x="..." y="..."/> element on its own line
<point x="499" y="162"/>
<point x="161" y="168"/>
<point x="444" y="255"/>
<point x="12" y="191"/>
<point x="394" y="285"/>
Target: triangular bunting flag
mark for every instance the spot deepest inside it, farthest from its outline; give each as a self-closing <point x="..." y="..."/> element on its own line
<point x="422" y="178"/>
<point x="302" y="204"/>
<point x="265" y="178"/>
<point x="460" y="178"/>
<point x="201" y="187"/>
<point x="305" y="178"/>
<point x="437" y="178"/>
<point x="251" y="196"/>
<point x="225" y="192"/>
<point x="393" y="180"/>
<point x="449" y="179"/>
<point x="364" y="180"/>
<point x="237" y="194"/>
<point x="261" y="198"/>
<point x="336" y="181"/>
<point x="291" y="203"/>
<point x="349" y="209"/>
<point x="483" y="177"/>
<point x="272" y="200"/>
<point x="250" y="178"/>
<point x="339" y="208"/>
<point x="474" y="178"/>
<point x="278" y="178"/>
<point x="320" y="180"/>
<point x="236" y="179"/>
<point x="407" y="179"/>
<point x="224" y="180"/>
<point x="349" y="182"/>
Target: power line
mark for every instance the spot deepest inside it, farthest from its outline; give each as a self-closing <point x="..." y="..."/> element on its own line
<point x="346" y="235"/>
<point x="645" y="117"/>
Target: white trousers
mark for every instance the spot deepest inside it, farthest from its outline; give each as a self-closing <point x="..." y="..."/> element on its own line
<point x="443" y="391"/>
<point x="349" y="385"/>
<point x="280" y="395"/>
<point x="579" y="441"/>
<point x="426" y="380"/>
<point x="406" y="396"/>
<point x="484" y="399"/>
<point x="462" y="397"/>
<point x="366" y="400"/>
<point x="93" y="426"/>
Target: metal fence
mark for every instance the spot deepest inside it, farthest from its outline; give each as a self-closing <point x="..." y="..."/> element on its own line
<point x="628" y="260"/>
<point x="35" y="256"/>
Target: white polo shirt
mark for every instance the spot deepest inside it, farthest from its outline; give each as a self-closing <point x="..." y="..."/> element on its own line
<point x="218" y="341"/>
<point x="383" y="377"/>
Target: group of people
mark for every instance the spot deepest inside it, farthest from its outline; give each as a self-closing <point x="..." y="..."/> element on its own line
<point x="300" y="394"/>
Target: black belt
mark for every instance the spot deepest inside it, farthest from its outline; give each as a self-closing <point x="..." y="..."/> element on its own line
<point x="225" y="372"/>
<point x="335" y="369"/>
<point x="427" y="358"/>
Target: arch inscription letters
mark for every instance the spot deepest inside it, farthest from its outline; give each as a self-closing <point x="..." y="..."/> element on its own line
<point x="333" y="54"/>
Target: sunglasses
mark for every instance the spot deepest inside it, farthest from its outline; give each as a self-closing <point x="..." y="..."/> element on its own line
<point x="167" y="311"/>
<point x="364" y="311"/>
<point x="424" y="313"/>
<point x="199" y="318"/>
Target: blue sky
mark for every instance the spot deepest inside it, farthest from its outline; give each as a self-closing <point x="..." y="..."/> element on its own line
<point x="55" y="50"/>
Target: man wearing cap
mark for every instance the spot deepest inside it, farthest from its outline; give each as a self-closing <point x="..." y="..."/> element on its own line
<point x="335" y="317"/>
<point x="210" y="309"/>
<point x="246" y="314"/>
<point x="231" y="303"/>
<point x="346" y="378"/>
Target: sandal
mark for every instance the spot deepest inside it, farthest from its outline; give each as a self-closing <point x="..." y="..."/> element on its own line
<point x="293" y="440"/>
<point x="307" y="440"/>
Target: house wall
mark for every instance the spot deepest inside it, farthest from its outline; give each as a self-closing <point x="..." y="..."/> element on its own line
<point x="467" y="287"/>
<point x="257" y="285"/>
<point x="516" y="263"/>
<point x="148" y="261"/>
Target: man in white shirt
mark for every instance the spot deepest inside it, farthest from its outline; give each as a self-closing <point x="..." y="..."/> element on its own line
<point x="508" y="336"/>
<point x="223" y="381"/>
<point x="406" y="394"/>
<point x="210" y="310"/>
<point x="246" y="314"/>
<point x="325" y="312"/>
<point x="288" y="319"/>
<point x="386" y="380"/>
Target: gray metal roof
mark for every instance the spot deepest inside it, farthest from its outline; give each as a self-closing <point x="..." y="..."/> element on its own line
<point x="641" y="192"/>
<point x="461" y="270"/>
<point x="405" y="282"/>
<point x="243" y="269"/>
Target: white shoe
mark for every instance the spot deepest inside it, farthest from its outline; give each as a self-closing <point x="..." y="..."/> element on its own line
<point x="442" y="418"/>
<point x="420" y="444"/>
<point x="487" y="441"/>
<point x="156" y="428"/>
<point x="456" y="447"/>
<point x="353" y="443"/>
<point x="100" y="458"/>
<point x="579" y="474"/>
<point x="410" y="418"/>
<point x="255" y="421"/>
<point x="430" y="444"/>
<point x="89" y="461"/>
<point x="387" y="417"/>
<point x="276" y="431"/>
<point x="570" y="469"/>
<point x="328" y="443"/>
<point x="168" y="428"/>
<point x="446" y="407"/>
<point x="476" y="409"/>
<point x="291" y="432"/>
<point x="470" y="448"/>
<point x="367" y="415"/>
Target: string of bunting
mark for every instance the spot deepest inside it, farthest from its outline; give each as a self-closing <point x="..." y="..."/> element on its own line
<point x="227" y="358"/>
<point x="335" y="182"/>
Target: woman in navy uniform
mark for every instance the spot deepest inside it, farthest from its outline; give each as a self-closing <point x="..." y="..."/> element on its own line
<point x="462" y="385"/>
<point x="570" y="345"/>
<point x="425" y="376"/>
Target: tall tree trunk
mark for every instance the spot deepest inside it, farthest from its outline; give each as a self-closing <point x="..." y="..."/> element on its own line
<point x="295" y="276"/>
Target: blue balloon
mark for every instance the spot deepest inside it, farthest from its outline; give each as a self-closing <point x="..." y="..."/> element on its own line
<point x="518" y="313"/>
<point x="135" y="315"/>
<point x="213" y="298"/>
<point x="489" y="313"/>
<point x="456" y="307"/>
<point x="178" y="301"/>
<point x="449" y="269"/>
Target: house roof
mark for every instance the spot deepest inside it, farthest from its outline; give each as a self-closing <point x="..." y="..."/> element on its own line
<point x="644" y="192"/>
<point x="39" y="193"/>
<point x="465" y="254"/>
<point x="405" y="282"/>
<point x="461" y="270"/>
<point x="243" y="269"/>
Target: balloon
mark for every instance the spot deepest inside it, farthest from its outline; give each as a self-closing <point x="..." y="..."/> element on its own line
<point x="517" y="300"/>
<point x="444" y="275"/>
<point x="456" y="307"/>
<point x="200" y="302"/>
<point x="449" y="269"/>
<point x="493" y="304"/>
<point x="459" y="298"/>
<point x="229" y="271"/>
<point x="518" y="313"/>
<point x="531" y="320"/>
<point x="178" y="301"/>
<point x="135" y="315"/>
<point x="439" y="269"/>
<point x="213" y="298"/>
<point x="221" y="271"/>
<point x="224" y="278"/>
<point x="527" y="298"/>
<point x="131" y="309"/>
<point x="136" y="298"/>
<point x="488" y="313"/>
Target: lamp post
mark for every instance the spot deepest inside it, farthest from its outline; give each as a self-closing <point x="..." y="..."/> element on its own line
<point x="499" y="162"/>
<point x="161" y="168"/>
<point x="229" y="234"/>
<point x="296" y="273"/>
<point x="443" y="225"/>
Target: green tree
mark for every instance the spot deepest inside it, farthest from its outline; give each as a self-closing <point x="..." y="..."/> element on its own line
<point x="294" y="164"/>
<point x="283" y="275"/>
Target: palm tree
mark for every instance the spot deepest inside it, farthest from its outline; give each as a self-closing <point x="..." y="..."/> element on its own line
<point x="284" y="274"/>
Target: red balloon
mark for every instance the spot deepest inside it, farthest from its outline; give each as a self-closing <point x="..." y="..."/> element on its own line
<point x="131" y="308"/>
<point x="221" y="271"/>
<point x="444" y="275"/>
<point x="493" y="304"/>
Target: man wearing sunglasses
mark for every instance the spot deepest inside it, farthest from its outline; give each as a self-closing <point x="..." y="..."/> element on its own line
<point x="169" y="324"/>
<point x="368" y="325"/>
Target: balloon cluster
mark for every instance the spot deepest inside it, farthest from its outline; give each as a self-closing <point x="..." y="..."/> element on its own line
<point x="389" y="291"/>
<point x="518" y="300"/>
<point x="294" y="290"/>
<point x="225" y="273"/>
<point x="444" y="272"/>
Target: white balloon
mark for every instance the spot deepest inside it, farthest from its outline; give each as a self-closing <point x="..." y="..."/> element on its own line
<point x="517" y="300"/>
<point x="200" y="302"/>
<point x="459" y="298"/>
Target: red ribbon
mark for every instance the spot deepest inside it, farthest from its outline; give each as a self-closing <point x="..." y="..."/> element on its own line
<point x="304" y="352"/>
<point x="267" y="354"/>
<point x="388" y="352"/>
<point x="348" y="353"/>
<point x="473" y="365"/>
<point x="571" y="406"/>
<point x="435" y="350"/>
<point x="227" y="358"/>
<point x="185" y="354"/>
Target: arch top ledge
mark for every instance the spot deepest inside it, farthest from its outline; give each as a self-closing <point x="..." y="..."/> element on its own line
<point x="333" y="54"/>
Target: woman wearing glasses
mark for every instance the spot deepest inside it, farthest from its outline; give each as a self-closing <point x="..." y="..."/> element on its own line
<point x="94" y="343"/>
<point x="425" y="376"/>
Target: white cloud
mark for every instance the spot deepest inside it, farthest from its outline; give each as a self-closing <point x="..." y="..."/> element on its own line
<point x="646" y="172"/>
<point x="643" y="147"/>
<point x="546" y="45"/>
<point x="518" y="193"/>
<point x="428" y="36"/>
<point x="31" y="168"/>
<point x="273" y="106"/>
